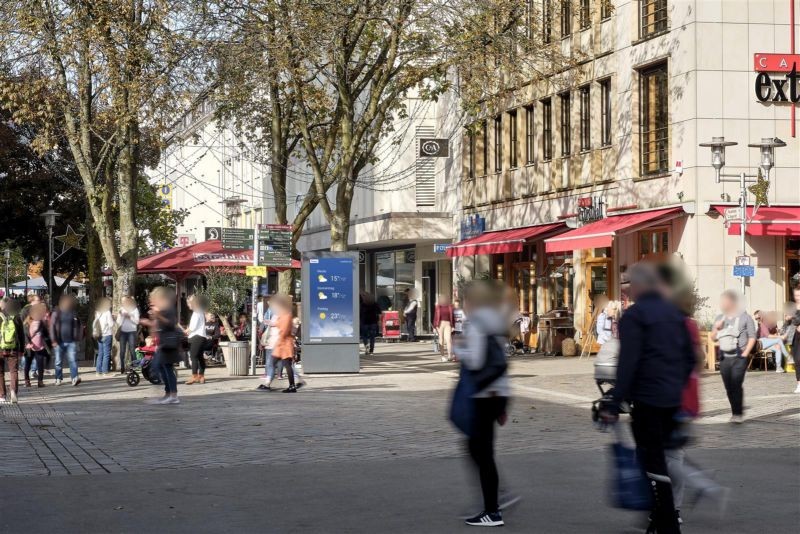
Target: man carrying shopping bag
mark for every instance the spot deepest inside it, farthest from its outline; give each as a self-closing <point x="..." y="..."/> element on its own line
<point x="655" y="361"/>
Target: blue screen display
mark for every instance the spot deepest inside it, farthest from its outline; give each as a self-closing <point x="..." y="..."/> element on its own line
<point x="331" y="298"/>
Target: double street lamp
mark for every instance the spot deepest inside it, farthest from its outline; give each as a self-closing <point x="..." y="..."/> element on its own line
<point x="767" y="148"/>
<point x="50" y="222"/>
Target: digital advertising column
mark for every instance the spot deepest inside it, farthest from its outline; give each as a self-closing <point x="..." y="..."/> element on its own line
<point x="330" y="312"/>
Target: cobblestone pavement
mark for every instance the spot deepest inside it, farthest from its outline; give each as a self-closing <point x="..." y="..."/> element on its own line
<point x="395" y="408"/>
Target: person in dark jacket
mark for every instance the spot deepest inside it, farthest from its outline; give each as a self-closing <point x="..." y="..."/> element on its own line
<point x="370" y="314"/>
<point x="66" y="331"/>
<point x="655" y="361"/>
<point x="12" y="345"/>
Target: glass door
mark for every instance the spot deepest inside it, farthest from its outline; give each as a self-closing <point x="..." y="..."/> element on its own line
<point x="598" y="289"/>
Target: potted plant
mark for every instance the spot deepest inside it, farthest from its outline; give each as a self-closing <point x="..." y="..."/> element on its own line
<point x="225" y="293"/>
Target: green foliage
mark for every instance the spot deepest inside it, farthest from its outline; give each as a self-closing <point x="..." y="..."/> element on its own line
<point x="226" y="292"/>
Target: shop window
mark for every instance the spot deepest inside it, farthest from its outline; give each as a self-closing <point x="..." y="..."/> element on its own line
<point x="653" y="17"/>
<point x="530" y="135"/>
<point x="559" y="279"/>
<point x="653" y="243"/>
<point x="606" y="9"/>
<point x="566" y="137"/>
<point x="654" y="120"/>
<point x="547" y="129"/>
<point x="394" y="275"/>
<point x="586" y="121"/>
<point x="605" y="112"/>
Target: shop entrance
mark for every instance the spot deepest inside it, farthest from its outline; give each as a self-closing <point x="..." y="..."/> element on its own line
<point x="792" y="267"/>
<point x="524" y="277"/>
<point x="428" y="298"/>
<point x="599" y="283"/>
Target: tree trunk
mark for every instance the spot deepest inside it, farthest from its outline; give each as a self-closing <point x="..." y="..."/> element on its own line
<point x="94" y="260"/>
<point x="125" y="280"/>
<point x="340" y="231"/>
<point x="286" y="282"/>
<point x="227" y="327"/>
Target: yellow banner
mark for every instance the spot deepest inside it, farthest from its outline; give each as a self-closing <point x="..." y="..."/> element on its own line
<point x="256" y="270"/>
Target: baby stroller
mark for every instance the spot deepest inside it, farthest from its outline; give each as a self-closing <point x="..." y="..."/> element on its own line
<point x="605" y="375"/>
<point x="143" y="365"/>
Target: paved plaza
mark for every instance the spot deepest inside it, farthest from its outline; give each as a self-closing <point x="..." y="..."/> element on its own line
<point x="367" y="452"/>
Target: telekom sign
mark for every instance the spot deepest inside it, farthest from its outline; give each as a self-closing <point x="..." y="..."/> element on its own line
<point x="786" y="88"/>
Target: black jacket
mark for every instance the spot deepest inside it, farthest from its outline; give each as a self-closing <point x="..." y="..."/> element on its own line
<point x="55" y="327"/>
<point x="656" y="354"/>
<point x="370" y="314"/>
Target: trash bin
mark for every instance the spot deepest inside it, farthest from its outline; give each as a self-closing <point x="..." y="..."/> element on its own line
<point x="236" y="354"/>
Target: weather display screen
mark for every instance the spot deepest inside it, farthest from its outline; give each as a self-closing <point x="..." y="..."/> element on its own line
<point x="331" y="299"/>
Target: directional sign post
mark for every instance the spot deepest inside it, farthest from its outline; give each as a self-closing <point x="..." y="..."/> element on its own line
<point x="275" y="245"/>
<point x="238" y="238"/>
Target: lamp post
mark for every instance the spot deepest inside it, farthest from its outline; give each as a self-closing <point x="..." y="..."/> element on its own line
<point x="767" y="148"/>
<point x="50" y="222"/>
<point x="7" y="255"/>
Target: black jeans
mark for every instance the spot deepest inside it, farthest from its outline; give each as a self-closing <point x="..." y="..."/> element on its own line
<point x="368" y="334"/>
<point x="127" y="345"/>
<point x="652" y="428"/>
<point x="39" y="356"/>
<point x="287" y="366"/>
<point x="732" y="370"/>
<point x="411" y="327"/>
<point x="196" y="345"/>
<point x="481" y="447"/>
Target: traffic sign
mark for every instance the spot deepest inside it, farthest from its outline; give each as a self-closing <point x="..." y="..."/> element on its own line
<point x="746" y="271"/>
<point x="275" y="245"/>
<point x="256" y="270"/>
<point x="238" y="238"/>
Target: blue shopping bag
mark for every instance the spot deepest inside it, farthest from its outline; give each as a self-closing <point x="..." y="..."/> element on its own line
<point x="630" y="489"/>
<point x="462" y="405"/>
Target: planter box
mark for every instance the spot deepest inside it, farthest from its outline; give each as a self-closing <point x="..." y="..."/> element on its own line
<point x="709" y="347"/>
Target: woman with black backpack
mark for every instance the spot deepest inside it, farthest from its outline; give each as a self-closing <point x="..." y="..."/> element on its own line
<point x="484" y="369"/>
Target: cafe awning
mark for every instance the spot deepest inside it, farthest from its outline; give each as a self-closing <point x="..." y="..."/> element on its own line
<point x="501" y="241"/>
<point x="768" y="221"/>
<point x="197" y="258"/>
<point x="601" y="233"/>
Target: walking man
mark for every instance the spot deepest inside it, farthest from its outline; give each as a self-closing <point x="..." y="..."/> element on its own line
<point x="735" y="331"/>
<point x="66" y="331"/>
<point x="655" y="361"/>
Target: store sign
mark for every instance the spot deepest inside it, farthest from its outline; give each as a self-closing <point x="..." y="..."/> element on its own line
<point x="733" y="215"/>
<point x="745" y="271"/>
<point x="591" y="209"/>
<point x="472" y="226"/>
<point x="184" y="240"/>
<point x="441" y="248"/>
<point x="434" y="148"/>
<point x="777" y="89"/>
<point x="213" y="233"/>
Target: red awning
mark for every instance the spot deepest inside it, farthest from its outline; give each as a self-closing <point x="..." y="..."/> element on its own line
<point x="502" y="241"/>
<point x="197" y="258"/>
<point x="601" y="233"/>
<point x="768" y="221"/>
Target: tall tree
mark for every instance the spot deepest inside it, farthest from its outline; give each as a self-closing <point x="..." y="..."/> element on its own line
<point x="111" y="69"/>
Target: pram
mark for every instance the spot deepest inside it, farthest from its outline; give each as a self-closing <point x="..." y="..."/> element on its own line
<point x="143" y="365"/>
<point x="605" y="375"/>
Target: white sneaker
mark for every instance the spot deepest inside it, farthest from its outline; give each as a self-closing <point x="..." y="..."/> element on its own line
<point x="58" y="381"/>
<point x="173" y="400"/>
<point x="444" y="359"/>
<point x="737" y="419"/>
<point x="3" y="400"/>
<point x="797" y="390"/>
<point x="76" y="381"/>
<point x="13" y="397"/>
<point x="159" y="400"/>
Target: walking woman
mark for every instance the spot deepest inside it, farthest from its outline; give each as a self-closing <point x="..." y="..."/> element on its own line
<point x="164" y="320"/>
<point x="103" y="330"/>
<point x="284" y="343"/>
<point x="37" y="339"/>
<point x="12" y="345"/>
<point x="443" y="321"/>
<point x="128" y="324"/>
<point x="196" y="332"/>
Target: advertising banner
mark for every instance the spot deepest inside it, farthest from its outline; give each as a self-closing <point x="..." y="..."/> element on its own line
<point x="331" y="296"/>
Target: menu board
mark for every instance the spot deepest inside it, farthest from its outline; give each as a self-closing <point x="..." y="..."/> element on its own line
<point x="330" y="299"/>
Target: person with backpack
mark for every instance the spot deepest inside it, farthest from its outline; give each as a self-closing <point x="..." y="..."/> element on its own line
<point x="12" y="345"/>
<point x="655" y="361"/>
<point x="66" y="331"/>
<point x="37" y="339"/>
<point x="484" y="378"/>
<point x="735" y="331"/>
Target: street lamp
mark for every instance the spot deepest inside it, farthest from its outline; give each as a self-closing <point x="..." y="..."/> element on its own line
<point x="50" y="222"/>
<point x="767" y="147"/>
<point x="7" y="255"/>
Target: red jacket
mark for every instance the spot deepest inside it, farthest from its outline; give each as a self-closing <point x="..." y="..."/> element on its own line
<point x="443" y="312"/>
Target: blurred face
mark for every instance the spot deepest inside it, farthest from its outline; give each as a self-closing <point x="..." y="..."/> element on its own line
<point x="38" y="312"/>
<point x="727" y="305"/>
<point x="209" y="317"/>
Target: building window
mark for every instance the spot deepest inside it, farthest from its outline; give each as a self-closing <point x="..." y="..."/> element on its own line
<point x="654" y="244"/>
<point x="485" y="147"/>
<point x="498" y="143"/>
<point x="530" y="135"/>
<point x="653" y="17"/>
<point x="566" y="140"/>
<point x="654" y="120"/>
<point x="471" y="154"/>
<point x="586" y="122"/>
<point x="547" y="129"/>
<point x="586" y="14"/>
<point x="605" y="112"/>
<point x="606" y="9"/>
<point x="529" y="19"/>
<point x="512" y="138"/>
<point x="566" y="17"/>
<point x="547" y="20"/>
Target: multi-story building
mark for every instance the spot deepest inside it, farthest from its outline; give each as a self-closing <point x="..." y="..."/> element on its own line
<point x="587" y="171"/>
